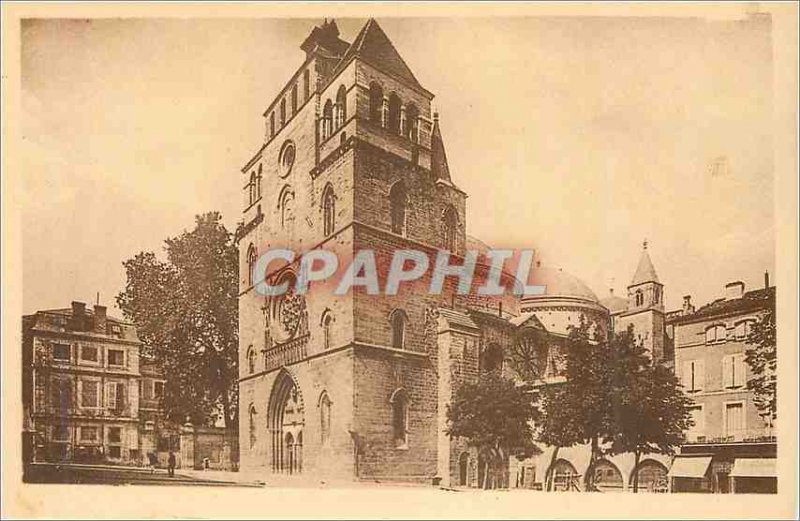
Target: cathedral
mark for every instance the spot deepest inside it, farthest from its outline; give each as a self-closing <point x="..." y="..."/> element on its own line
<point x="355" y="387"/>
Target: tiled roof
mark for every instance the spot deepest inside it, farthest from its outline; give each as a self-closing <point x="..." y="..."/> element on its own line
<point x="374" y="47"/>
<point x="750" y="301"/>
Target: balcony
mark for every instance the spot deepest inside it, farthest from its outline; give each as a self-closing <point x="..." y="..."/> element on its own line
<point x="287" y="353"/>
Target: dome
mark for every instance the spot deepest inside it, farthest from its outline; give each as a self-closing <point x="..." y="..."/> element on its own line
<point x="614" y="303"/>
<point x="559" y="283"/>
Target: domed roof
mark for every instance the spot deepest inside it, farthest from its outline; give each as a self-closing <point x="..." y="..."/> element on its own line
<point x="559" y="283"/>
<point x="614" y="303"/>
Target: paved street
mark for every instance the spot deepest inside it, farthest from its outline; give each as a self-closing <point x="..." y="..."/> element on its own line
<point x="110" y="475"/>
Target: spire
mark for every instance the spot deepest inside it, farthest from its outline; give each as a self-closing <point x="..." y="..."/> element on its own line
<point x="645" y="272"/>
<point x="438" y="155"/>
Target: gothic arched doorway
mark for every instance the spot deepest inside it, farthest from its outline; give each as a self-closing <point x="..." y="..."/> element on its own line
<point x="463" y="469"/>
<point x="286" y="420"/>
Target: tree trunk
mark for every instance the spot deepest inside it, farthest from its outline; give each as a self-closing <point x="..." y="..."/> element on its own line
<point x="636" y="456"/>
<point x="485" y="484"/>
<point x="549" y="475"/>
<point x="589" y="478"/>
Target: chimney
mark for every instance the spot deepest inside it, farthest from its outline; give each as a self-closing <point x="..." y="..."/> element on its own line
<point x="687" y="304"/>
<point x="78" y="316"/>
<point x="100" y="319"/>
<point x="734" y="290"/>
<point x="766" y="280"/>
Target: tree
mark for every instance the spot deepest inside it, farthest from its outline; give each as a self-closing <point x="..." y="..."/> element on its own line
<point x="496" y="416"/>
<point x="186" y="313"/>
<point x="761" y="356"/>
<point x="578" y="410"/>
<point x="650" y="410"/>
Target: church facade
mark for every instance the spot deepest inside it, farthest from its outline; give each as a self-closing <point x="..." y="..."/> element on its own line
<point x="355" y="387"/>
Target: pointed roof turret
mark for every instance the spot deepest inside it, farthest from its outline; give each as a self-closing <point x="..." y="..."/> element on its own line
<point x="325" y="36"/>
<point x="438" y="155"/>
<point x="645" y="272"/>
<point x="374" y="47"/>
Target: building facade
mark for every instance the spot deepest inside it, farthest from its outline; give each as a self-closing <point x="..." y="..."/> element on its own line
<point x="356" y="386"/>
<point x="81" y="385"/>
<point x="91" y="396"/>
<point x="732" y="447"/>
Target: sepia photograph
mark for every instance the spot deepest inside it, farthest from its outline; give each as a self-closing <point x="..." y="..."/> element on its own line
<point x="450" y="261"/>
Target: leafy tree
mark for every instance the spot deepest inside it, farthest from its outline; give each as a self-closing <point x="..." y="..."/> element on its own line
<point x="761" y="356"/>
<point x="650" y="411"/>
<point x="578" y="410"/>
<point x="186" y="313"/>
<point x="496" y="416"/>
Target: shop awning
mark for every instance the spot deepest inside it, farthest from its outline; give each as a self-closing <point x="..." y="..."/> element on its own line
<point x="754" y="468"/>
<point x="689" y="467"/>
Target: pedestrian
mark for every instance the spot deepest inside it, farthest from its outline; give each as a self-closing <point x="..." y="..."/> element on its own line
<point x="151" y="456"/>
<point x="171" y="464"/>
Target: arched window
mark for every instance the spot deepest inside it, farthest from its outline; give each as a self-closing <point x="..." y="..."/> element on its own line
<point x="251" y="417"/>
<point x="398" y="199"/>
<point x="639" y="298"/>
<point x="341" y="106"/>
<point x="306" y="85"/>
<point x="252" y="256"/>
<point x="326" y="322"/>
<point x="491" y="358"/>
<point x="399" y="401"/>
<point x="449" y="226"/>
<point x="565" y="477"/>
<point x="286" y="206"/>
<point x="394" y="112"/>
<point x="251" y="186"/>
<point x="272" y="125"/>
<point x="652" y="477"/>
<point x="251" y="360"/>
<point x="328" y="210"/>
<point x="375" y="102"/>
<point x="258" y="183"/>
<point x="398" y="322"/>
<point x="743" y="329"/>
<point x="607" y="476"/>
<point x="324" y="417"/>
<point x="412" y="123"/>
<point x="327" y="120"/>
<point x="716" y="333"/>
<point x="294" y="99"/>
<point x="283" y="111"/>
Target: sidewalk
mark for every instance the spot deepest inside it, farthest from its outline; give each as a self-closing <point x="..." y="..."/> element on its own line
<point x="243" y="478"/>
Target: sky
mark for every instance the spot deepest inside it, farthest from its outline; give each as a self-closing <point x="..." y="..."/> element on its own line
<point x="577" y="136"/>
